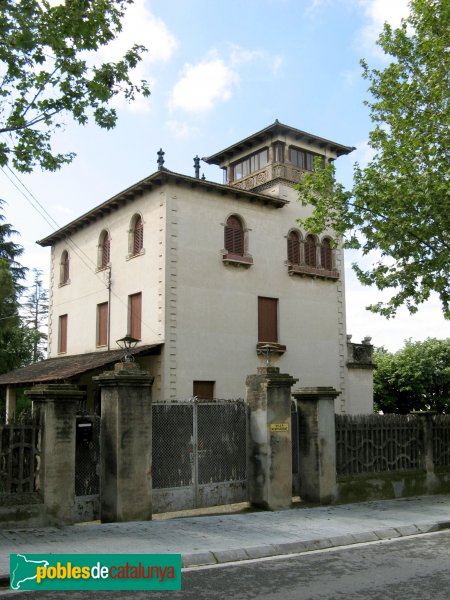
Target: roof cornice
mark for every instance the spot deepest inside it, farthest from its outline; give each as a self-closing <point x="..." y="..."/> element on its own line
<point x="154" y="181"/>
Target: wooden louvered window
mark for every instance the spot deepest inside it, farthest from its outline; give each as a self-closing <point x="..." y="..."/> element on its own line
<point x="326" y="255"/>
<point x="62" y="334"/>
<point x="138" y="236"/>
<point x="234" y="236"/>
<point x="310" y="251"/>
<point x="268" y="320"/>
<point x="135" y="315"/>
<point x="105" y="250"/>
<point x="102" y="324"/>
<point x="293" y="248"/>
<point x="64" y="274"/>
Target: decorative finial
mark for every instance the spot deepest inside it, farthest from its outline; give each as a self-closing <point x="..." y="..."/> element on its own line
<point x="160" y="160"/>
<point x="197" y="166"/>
<point x="203" y="177"/>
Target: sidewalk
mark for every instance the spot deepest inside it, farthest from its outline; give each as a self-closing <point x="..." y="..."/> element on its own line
<point x="229" y="537"/>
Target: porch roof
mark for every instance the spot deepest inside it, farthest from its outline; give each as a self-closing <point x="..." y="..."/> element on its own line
<point x="62" y="368"/>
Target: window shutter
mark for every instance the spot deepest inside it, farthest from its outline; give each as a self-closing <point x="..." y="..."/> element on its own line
<point x="234" y="236"/>
<point x="62" y="333"/>
<point x="326" y="256"/>
<point x="102" y="324"/>
<point x="138" y="236"/>
<point x="135" y="307"/>
<point x="267" y="320"/>
<point x="106" y="251"/>
<point x="310" y="251"/>
<point x="293" y="244"/>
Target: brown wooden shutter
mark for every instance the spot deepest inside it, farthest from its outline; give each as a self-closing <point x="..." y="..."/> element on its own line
<point x="293" y="244"/>
<point x="106" y="251"/>
<point x="62" y="334"/>
<point x="234" y="236"/>
<point x="135" y="304"/>
<point x="204" y="390"/>
<point x="138" y="236"/>
<point x="326" y="256"/>
<point x="268" y="320"/>
<point x="310" y="251"/>
<point x="102" y="324"/>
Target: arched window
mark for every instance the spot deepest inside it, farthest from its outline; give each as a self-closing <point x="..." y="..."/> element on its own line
<point x="138" y="236"/>
<point x="234" y="236"/>
<point x="104" y="250"/>
<point x="64" y="268"/>
<point x="293" y="248"/>
<point x="326" y="255"/>
<point x="310" y="251"/>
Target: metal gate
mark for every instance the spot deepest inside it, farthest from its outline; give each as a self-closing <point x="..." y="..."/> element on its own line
<point x="87" y="468"/>
<point x="199" y="454"/>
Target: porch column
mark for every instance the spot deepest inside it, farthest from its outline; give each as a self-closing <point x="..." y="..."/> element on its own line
<point x="126" y="444"/>
<point x="55" y="407"/>
<point x="268" y="395"/>
<point x="10" y="403"/>
<point x="317" y="443"/>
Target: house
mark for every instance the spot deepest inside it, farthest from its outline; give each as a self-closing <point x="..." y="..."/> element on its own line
<point x="211" y="278"/>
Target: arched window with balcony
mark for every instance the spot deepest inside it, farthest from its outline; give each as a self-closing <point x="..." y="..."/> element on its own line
<point x="326" y="254"/>
<point x="104" y="250"/>
<point x="234" y="236"/>
<point x="293" y="248"/>
<point x="64" y="268"/>
<point x="310" y="251"/>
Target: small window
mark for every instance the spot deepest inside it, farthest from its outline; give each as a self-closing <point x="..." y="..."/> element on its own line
<point x="268" y="320"/>
<point x="310" y="251"/>
<point x="302" y="159"/>
<point x="278" y="152"/>
<point x="135" y="315"/>
<point x="64" y="268"/>
<point x="326" y="255"/>
<point x="136" y="236"/>
<point x="204" y="390"/>
<point x="62" y="334"/>
<point x="102" y="324"/>
<point x="104" y="258"/>
<point x="249" y="165"/>
<point x="293" y="248"/>
<point x="234" y="236"/>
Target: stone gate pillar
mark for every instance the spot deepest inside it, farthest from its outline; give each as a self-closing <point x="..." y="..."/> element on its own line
<point x="126" y="444"/>
<point x="317" y="443"/>
<point x="55" y="407"/>
<point x="268" y="395"/>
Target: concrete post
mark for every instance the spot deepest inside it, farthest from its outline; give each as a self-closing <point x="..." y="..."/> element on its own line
<point x="427" y="458"/>
<point x="126" y="444"/>
<point x="317" y="443"/>
<point x="55" y="407"/>
<point x="10" y="403"/>
<point x="268" y="395"/>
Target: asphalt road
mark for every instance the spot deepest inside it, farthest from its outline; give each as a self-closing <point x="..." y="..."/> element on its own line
<point x="416" y="568"/>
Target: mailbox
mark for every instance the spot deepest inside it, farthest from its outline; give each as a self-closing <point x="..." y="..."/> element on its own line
<point x="85" y="428"/>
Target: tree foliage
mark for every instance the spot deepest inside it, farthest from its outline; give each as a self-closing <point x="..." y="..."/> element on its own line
<point x="399" y="205"/>
<point x="16" y="340"/>
<point x="417" y="377"/>
<point x="34" y="314"/>
<point x="49" y="68"/>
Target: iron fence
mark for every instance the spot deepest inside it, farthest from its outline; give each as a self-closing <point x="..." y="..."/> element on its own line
<point x="441" y="440"/>
<point x="19" y="457"/>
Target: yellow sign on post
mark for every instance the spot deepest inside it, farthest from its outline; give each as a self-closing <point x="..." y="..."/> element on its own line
<point x="279" y="427"/>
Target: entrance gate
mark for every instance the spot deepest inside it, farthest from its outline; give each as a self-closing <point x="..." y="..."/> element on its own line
<point x="87" y="468"/>
<point x="199" y="454"/>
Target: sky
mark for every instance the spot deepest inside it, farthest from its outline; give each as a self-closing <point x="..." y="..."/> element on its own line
<point x="219" y="72"/>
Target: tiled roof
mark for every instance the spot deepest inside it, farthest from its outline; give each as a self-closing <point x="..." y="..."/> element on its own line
<point x="65" y="367"/>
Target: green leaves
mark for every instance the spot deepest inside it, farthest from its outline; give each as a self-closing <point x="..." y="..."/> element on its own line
<point x="399" y="205"/>
<point x="417" y="377"/>
<point x="44" y="54"/>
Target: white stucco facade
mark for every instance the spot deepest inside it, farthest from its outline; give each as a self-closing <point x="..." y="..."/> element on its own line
<point x="202" y="308"/>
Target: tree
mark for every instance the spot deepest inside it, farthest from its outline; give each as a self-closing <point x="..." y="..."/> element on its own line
<point x="34" y="313"/>
<point x="45" y="52"/>
<point x="399" y="205"/>
<point x="16" y="341"/>
<point x="417" y="377"/>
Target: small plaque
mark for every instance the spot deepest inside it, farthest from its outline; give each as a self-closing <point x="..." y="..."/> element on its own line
<point x="279" y="427"/>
